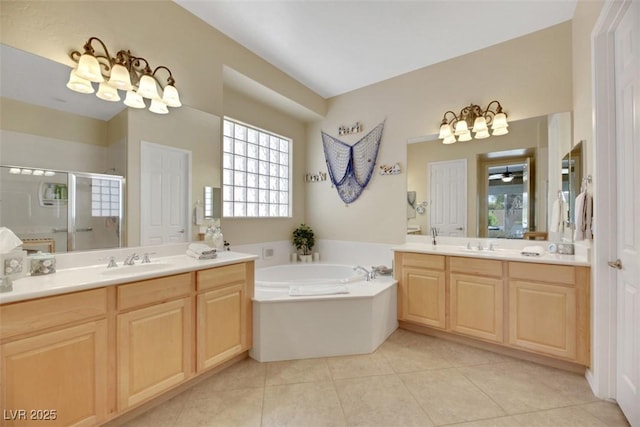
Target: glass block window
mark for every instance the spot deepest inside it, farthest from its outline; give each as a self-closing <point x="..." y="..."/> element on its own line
<point x="256" y="172"/>
<point x="105" y="197"/>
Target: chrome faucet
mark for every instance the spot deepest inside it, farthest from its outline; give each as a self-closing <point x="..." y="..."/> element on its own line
<point x="368" y="274"/>
<point x="112" y="262"/>
<point x="434" y="234"/>
<point x="130" y="260"/>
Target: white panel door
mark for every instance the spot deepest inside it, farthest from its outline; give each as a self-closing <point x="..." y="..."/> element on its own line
<point x="164" y="194"/>
<point x="627" y="66"/>
<point x="448" y="194"/>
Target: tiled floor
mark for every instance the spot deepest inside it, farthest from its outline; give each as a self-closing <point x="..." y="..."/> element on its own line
<point x="411" y="380"/>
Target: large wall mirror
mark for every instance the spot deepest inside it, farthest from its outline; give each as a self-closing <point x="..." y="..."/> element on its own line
<point x="504" y="182"/>
<point x="48" y="128"/>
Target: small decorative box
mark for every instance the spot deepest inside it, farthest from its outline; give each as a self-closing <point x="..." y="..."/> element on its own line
<point x="14" y="264"/>
<point x="42" y="263"/>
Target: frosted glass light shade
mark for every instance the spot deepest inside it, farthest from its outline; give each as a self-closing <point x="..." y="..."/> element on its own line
<point x="499" y="121"/>
<point x="108" y="93"/>
<point x="501" y="131"/>
<point x="89" y="68"/>
<point x="445" y="131"/>
<point x="78" y="84"/>
<point x="482" y="134"/>
<point x="465" y="137"/>
<point x="170" y="96"/>
<point x="158" y="107"/>
<point x="480" y="124"/>
<point x="461" y="127"/>
<point x="147" y="88"/>
<point x="133" y="100"/>
<point x="449" y="140"/>
<point x="120" y="77"/>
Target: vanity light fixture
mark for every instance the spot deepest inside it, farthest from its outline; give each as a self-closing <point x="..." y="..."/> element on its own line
<point x="473" y="119"/>
<point x="125" y="72"/>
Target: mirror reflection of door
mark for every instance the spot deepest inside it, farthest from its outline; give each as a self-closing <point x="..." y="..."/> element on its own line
<point x="448" y="192"/>
<point x="506" y="206"/>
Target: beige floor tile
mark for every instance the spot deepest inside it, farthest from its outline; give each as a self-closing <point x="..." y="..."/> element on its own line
<point x="493" y="422"/>
<point x="463" y="355"/>
<point x="607" y="412"/>
<point x="571" y="385"/>
<point x="515" y="389"/>
<point x="297" y="371"/>
<point x="449" y="397"/>
<point x="306" y="404"/>
<point x="245" y="374"/>
<point x="572" y="416"/>
<point x="379" y="401"/>
<point x="232" y="408"/>
<point x="358" y="366"/>
<point x="164" y="415"/>
<point x="416" y="355"/>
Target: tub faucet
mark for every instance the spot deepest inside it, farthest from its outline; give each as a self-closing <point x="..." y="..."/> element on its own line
<point x="434" y="234"/>
<point x="368" y="274"/>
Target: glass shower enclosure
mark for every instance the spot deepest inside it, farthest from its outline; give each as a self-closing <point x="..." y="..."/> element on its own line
<point x="62" y="211"/>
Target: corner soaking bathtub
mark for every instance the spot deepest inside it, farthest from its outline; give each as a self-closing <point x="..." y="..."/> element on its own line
<point x="355" y="321"/>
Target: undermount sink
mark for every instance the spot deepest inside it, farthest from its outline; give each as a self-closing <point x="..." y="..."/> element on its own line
<point x="135" y="269"/>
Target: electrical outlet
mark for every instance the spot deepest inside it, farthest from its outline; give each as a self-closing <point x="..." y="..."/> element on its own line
<point x="267" y="253"/>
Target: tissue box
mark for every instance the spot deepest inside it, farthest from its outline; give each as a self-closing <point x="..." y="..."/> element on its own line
<point x="42" y="263"/>
<point x="14" y="264"/>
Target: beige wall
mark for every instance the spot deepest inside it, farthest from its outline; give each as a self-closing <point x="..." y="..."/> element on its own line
<point x="530" y="133"/>
<point x="584" y="19"/>
<point x="242" y="231"/>
<point x="531" y="76"/>
<point x="33" y="119"/>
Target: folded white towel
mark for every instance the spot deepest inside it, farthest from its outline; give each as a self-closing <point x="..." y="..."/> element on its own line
<point x="211" y="255"/>
<point x="309" y="290"/>
<point x="532" y="251"/>
<point x="201" y="249"/>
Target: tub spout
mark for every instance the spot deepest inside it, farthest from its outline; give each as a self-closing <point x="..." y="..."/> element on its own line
<point x="368" y="274"/>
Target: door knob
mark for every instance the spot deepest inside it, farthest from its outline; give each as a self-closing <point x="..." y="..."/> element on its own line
<point x="180" y="231"/>
<point x="460" y="228"/>
<point x="615" y="264"/>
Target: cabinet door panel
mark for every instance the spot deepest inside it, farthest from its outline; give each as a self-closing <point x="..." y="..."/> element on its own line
<point x="477" y="306"/>
<point x="222" y="325"/>
<point x="64" y="371"/>
<point x="543" y="318"/>
<point x="154" y="350"/>
<point x="423" y="297"/>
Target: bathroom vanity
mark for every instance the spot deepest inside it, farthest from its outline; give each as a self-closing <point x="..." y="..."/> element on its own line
<point x="109" y="342"/>
<point x="536" y="305"/>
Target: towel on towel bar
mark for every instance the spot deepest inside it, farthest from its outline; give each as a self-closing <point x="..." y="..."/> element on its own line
<point x="309" y="290"/>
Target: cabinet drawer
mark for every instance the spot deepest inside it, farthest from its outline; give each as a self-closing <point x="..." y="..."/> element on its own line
<point x="477" y="266"/>
<point x="431" y="262"/>
<point x="29" y="316"/>
<point x="220" y="276"/>
<point x="153" y="290"/>
<point x="564" y="274"/>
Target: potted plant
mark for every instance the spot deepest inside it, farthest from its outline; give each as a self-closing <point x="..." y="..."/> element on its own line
<point x="303" y="239"/>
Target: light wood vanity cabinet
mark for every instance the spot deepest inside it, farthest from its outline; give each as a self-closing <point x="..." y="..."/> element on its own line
<point x="422" y="290"/>
<point x="549" y="309"/>
<point x="476" y="303"/>
<point x="154" y="338"/>
<point x="224" y="313"/>
<point x="540" y="308"/>
<point x="55" y="360"/>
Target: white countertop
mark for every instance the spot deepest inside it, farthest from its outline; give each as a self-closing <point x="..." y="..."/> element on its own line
<point x="95" y="276"/>
<point x="506" y="254"/>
